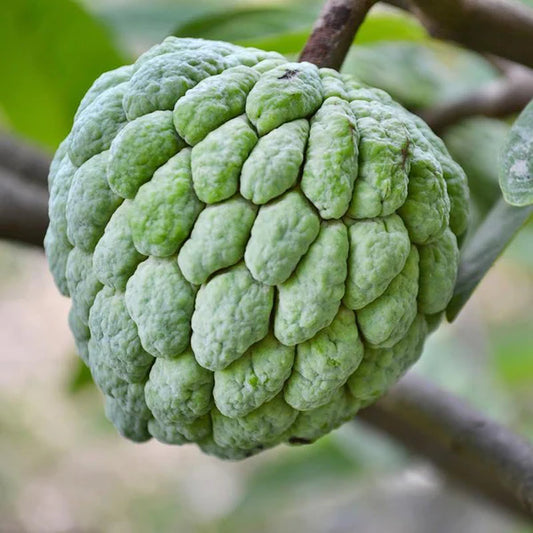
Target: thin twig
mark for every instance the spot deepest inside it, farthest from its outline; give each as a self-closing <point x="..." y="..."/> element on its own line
<point x="23" y="191"/>
<point x="23" y="209"/>
<point x="480" y="454"/>
<point x="506" y="95"/>
<point x="334" y="32"/>
<point x="24" y="159"/>
<point x="500" y="27"/>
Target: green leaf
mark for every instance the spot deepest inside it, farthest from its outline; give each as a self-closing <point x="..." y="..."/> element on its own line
<point x="50" y="52"/>
<point x="138" y="26"/>
<point x="286" y="29"/>
<point x="378" y="26"/>
<point x="288" y="43"/>
<point x="390" y="26"/>
<point x="516" y="168"/>
<point x="247" y="24"/>
<point x="483" y="248"/>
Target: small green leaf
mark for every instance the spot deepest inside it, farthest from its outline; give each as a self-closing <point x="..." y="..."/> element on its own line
<point x="516" y="168"/>
<point x="483" y="248"/>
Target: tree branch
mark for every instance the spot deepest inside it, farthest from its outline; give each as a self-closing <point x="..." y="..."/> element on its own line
<point x="334" y="32"/>
<point x="505" y="96"/>
<point x="23" y="191"/>
<point x="482" y="455"/>
<point x="23" y="209"/>
<point x="24" y="159"/>
<point x="500" y="27"/>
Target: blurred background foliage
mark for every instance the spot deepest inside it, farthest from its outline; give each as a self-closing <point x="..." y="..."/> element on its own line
<point x="62" y="468"/>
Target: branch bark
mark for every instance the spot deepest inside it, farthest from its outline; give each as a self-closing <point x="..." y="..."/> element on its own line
<point x="505" y="96"/>
<point x="24" y="159"/>
<point x="480" y="454"/>
<point x="23" y="209"/>
<point x="23" y="191"/>
<point x="334" y="32"/>
<point x="500" y="27"/>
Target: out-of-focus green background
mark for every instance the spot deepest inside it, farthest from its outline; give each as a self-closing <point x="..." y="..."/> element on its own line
<point x="63" y="468"/>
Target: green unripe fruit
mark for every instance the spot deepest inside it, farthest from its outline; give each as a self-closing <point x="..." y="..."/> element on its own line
<point x="253" y="247"/>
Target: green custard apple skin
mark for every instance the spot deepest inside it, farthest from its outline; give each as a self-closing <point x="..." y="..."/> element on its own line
<point x="254" y="248"/>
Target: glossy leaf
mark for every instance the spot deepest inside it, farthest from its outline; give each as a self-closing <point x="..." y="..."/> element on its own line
<point x="483" y="248"/>
<point x="516" y="166"/>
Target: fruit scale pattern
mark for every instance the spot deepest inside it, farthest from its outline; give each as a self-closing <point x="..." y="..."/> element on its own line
<point x="254" y="248"/>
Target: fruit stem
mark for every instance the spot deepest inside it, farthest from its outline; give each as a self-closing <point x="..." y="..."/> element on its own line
<point x="334" y="31"/>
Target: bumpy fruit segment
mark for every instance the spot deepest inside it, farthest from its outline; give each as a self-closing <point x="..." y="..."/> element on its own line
<point x="254" y="248"/>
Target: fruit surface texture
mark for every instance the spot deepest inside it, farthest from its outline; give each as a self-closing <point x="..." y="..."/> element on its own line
<point x="255" y="249"/>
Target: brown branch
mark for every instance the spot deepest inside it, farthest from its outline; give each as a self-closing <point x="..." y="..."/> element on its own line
<point x="23" y="209"/>
<point x="23" y="191"/>
<point x="480" y="454"/>
<point x="505" y="96"/>
<point x="24" y="159"/>
<point x="500" y="27"/>
<point x="334" y="32"/>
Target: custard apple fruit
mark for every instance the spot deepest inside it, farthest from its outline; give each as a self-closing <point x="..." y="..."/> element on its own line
<point x="254" y="248"/>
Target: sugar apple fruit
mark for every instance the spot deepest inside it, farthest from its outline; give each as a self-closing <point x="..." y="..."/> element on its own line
<point x="254" y="248"/>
